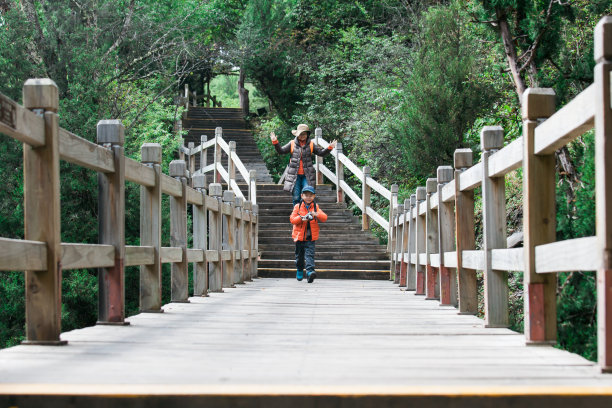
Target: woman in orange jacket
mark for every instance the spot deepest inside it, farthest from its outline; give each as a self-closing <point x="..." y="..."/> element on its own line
<point x="305" y="218"/>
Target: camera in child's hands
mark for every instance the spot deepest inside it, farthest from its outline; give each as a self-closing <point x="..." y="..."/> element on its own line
<point x="307" y="217"/>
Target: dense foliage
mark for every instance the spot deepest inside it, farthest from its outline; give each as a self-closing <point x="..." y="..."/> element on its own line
<point x="401" y="83"/>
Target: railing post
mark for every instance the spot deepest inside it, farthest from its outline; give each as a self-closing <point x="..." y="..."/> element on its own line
<point x="319" y="159"/>
<point x="203" y="157"/>
<point x="178" y="234"/>
<point x="253" y="186"/>
<point x="215" y="269"/>
<point x="603" y="188"/>
<point x="200" y="230"/>
<point x="231" y="167"/>
<point x="150" y="231"/>
<point x="396" y="245"/>
<point x="247" y="268"/>
<point x="539" y="220"/>
<point x="365" y="199"/>
<point x="111" y="225"/>
<point x="229" y="238"/>
<point x="41" y="190"/>
<point x="494" y="230"/>
<point x="191" y="156"/>
<point x="392" y="206"/>
<point x="238" y="240"/>
<point x="446" y="239"/>
<point x="465" y="236"/>
<point x="403" y="246"/>
<point x="411" y="268"/>
<point x="431" y="244"/>
<point x="420" y="238"/>
<point x="218" y="150"/>
<point x="339" y="174"/>
<point x="255" y="217"/>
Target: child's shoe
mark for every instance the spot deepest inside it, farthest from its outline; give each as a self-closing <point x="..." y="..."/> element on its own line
<point x="311" y="276"/>
<point x="299" y="275"/>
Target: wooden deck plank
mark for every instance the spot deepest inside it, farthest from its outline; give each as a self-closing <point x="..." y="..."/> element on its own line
<point x="280" y="332"/>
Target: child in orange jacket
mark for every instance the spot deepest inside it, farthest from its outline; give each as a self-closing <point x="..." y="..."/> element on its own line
<point x="305" y="218"/>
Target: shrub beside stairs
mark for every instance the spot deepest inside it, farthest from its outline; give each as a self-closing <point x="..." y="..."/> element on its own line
<point x="343" y="250"/>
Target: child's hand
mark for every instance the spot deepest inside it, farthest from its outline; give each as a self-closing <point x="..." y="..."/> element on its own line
<point x="273" y="137"/>
<point x="333" y="143"/>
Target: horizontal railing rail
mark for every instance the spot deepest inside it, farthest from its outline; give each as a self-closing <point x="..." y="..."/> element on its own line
<point x="224" y="233"/>
<point x="434" y="250"/>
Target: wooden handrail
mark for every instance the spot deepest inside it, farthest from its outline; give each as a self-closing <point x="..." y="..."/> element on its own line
<point x="43" y="255"/>
<point x="544" y="131"/>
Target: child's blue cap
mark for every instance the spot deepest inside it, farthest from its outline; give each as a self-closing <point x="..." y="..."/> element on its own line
<point x="309" y="189"/>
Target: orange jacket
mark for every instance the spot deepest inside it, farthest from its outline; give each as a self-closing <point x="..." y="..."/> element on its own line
<point x="299" y="226"/>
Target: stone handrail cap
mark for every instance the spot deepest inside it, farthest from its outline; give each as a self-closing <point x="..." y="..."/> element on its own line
<point x="445" y="174"/>
<point x="538" y="103"/>
<point x="603" y="39"/>
<point x="41" y="93"/>
<point x="110" y="131"/>
<point x="491" y="137"/>
<point x="420" y="193"/>
<point x="151" y="153"/>
<point x="199" y="181"/>
<point x="228" y="196"/>
<point x="463" y="158"/>
<point x="215" y="190"/>
<point x="431" y="186"/>
<point x="178" y="168"/>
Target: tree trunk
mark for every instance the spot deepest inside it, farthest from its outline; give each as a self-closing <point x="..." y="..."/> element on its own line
<point x="243" y="94"/>
<point x="510" y="50"/>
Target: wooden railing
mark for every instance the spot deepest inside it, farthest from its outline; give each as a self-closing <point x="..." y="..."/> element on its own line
<point x="225" y="228"/>
<point x="216" y="167"/>
<point x="368" y="184"/>
<point x="191" y="98"/>
<point x="434" y="248"/>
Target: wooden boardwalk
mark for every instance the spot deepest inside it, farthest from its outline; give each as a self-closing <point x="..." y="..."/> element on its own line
<point x="281" y="336"/>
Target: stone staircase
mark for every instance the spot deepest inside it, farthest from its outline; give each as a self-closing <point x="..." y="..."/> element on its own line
<point x="200" y="121"/>
<point x="343" y="250"/>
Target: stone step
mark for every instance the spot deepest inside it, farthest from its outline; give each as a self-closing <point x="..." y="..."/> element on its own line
<point x="325" y="274"/>
<point x="322" y="253"/>
<point x="327" y="264"/>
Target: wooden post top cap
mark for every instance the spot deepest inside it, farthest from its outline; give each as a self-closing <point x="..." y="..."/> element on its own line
<point x="603" y="39"/>
<point x="199" y="181"/>
<point x="420" y="193"/>
<point x="252" y="174"/>
<point x="432" y="185"/>
<point x="151" y="153"/>
<point x="228" y="196"/>
<point x="394" y="188"/>
<point x="239" y="202"/>
<point x="399" y="208"/>
<point x="232" y="145"/>
<point x="491" y="137"/>
<point x="218" y="131"/>
<point x="255" y="208"/>
<point x="178" y="168"/>
<point x="538" y="103"/>
<point x="248" y="206"/>
<point x="41" y="93"/>
<point x="413" y="200"/>
<point x="318" y="132"/>
<point x="215" y="189"/>
<point x="445" y="174"/>
<point x="463" y="158"/>
<point x="110" y="131"/>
